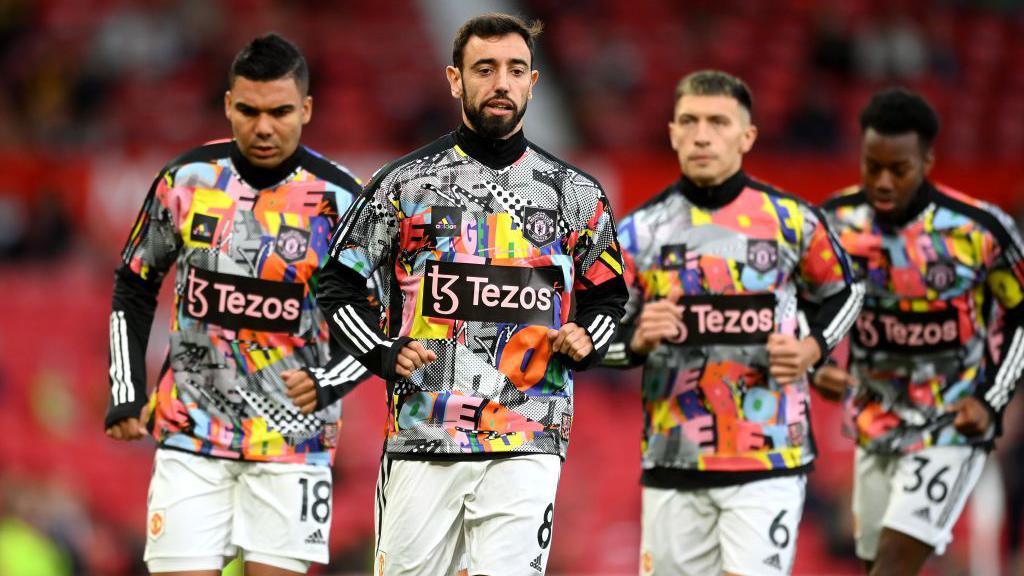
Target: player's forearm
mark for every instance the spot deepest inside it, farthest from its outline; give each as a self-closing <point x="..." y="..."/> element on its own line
<point x="354" y="322"/>
<point x="339" y="376"/>
<point x="131" y="317"/>
<point x="599" y="310"/>
<point x="834" y="318"/>
<point x="1001" y="381"/>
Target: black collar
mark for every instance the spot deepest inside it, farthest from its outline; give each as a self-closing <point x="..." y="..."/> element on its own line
<point x="495" y="153"/>
<point x="922" y="198"/>
<point x="263" y="178"/>
<point x="714" y="196"/>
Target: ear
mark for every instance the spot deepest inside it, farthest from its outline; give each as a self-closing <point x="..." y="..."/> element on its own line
<point x="227" y="104"/>
<point x="673" y="135"/>
<point x="534" y="76"/>
<point x="454" y="81"/>
<point x="749" y="137"/>
<point x="929" y="160"/>
<point x="307" y="110"/>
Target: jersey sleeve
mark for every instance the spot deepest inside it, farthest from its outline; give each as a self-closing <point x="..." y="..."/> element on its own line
<point x="151" y="250"/>
<point x="342" y="372"/>
<point x="363" y="242"/>
<point x="1006" y="282"/>
<point x="619" y="354"/>
<point x="600" y="289"/>
<point x="830" y="296"/>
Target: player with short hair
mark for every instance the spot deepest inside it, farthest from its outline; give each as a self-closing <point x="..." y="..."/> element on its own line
<point x="719" y="265"/>
<point x="930" y="376"/>
<point x="247" y="223"/>
<point x="500" y="275"/>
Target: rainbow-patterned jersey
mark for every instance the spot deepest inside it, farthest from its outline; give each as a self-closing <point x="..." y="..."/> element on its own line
<point x="746" y="258"/>
<point x="247" y="243"/>
<point x="934" y="282"/>
<point x="482" y="246"/>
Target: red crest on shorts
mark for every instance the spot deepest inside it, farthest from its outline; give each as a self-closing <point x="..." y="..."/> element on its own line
<point x="156" y="524"/>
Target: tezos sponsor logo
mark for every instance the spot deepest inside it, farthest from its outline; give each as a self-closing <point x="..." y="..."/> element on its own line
<point x="236" y="302"/>
<point x="480" y="292"/>
<point x="721" y="319"/>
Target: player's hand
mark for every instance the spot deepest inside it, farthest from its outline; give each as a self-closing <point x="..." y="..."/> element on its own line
<point x="572" y="341"/>
<point x="972" y="417"/>
<point x="832" y="382"/>
<point x="301" y="390"/>
<point x="659" y="321"/>
<point x="130" y="428"/>
<point x="413" y="357"/>
<point x="789" y="358"/>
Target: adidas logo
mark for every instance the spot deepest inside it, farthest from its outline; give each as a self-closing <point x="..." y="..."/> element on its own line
<point x="923" y="514"/>
<point x="536" y="565"/>
<point x="774" y="561"/>
<point x="316" y="538"/>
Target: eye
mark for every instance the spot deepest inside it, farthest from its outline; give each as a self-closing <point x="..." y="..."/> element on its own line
<point x="518" y="72"/>
<point x="280" y="112"/>
<point x="484" y="71"/>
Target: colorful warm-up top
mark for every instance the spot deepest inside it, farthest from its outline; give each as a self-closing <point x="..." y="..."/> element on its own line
<point x="483" y="246"/>
<point x="935" y="281"/>
<point x="748" y="259"/>
<point x="247" y="244"/>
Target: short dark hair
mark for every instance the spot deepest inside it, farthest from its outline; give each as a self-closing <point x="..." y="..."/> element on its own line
<point x="896" y="111"/>
<point x="270" y="57"/>
<point x="491" y="25"/>
<point x="715" y="83"/>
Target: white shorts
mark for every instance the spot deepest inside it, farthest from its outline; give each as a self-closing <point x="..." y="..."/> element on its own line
<point x="202" y="511"/>
<point x="920" y="494"/>
<point x="490" y="517"/>
<point x="744" y="529"/>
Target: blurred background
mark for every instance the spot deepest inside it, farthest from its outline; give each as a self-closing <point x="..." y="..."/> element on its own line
<point x="97" y="95"/>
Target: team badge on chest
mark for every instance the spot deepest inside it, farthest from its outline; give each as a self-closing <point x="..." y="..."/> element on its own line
<point x="940" y="276"/>
<point x="762" y="255"/>
<point x="540" y="226"/>
<point x="291" y="244"/>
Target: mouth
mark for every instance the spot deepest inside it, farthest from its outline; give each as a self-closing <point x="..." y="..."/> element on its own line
<point x="500" y="107"/>
<point x="700" y="158"/>
<point x="882" y="202"/>
<point x="263" y="150"/>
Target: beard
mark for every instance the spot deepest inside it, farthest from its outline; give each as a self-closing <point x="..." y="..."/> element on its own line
<point x="496" y="127"/>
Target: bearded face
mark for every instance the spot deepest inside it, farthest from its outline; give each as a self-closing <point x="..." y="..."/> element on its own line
<point x="494" y="83"/>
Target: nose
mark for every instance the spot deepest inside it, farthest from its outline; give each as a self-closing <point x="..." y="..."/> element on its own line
<point x="264" y="126"/>
<point x="885" y="181"/>
<point x="501" y="82"/>
<point x="702" y="136"/>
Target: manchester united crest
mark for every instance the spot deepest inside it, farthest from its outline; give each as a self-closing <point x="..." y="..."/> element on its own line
<point x="539" y="226"/>
<point x="291" y="244"/>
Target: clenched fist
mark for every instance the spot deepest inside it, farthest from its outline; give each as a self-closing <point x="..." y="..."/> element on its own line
<point x="301" y="390"/>
<point x="413" y="357"/>
<point x="789" y="358"/>
<point x="832" y="382"/>
<point x="130" y="428"/>
<point x="972" y="417"/>
<point x="572" y="341"/>
<point x="659" y="321"/>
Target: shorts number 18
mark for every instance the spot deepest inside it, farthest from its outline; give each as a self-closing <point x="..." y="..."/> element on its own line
<point x="321" y="509"/>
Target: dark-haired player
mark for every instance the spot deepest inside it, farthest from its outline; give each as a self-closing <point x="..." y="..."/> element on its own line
<point x="719" y="265"/>
<point x="927" y="393"/>
<point x="501" y="275"/>
<point x="247" y="223"/>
